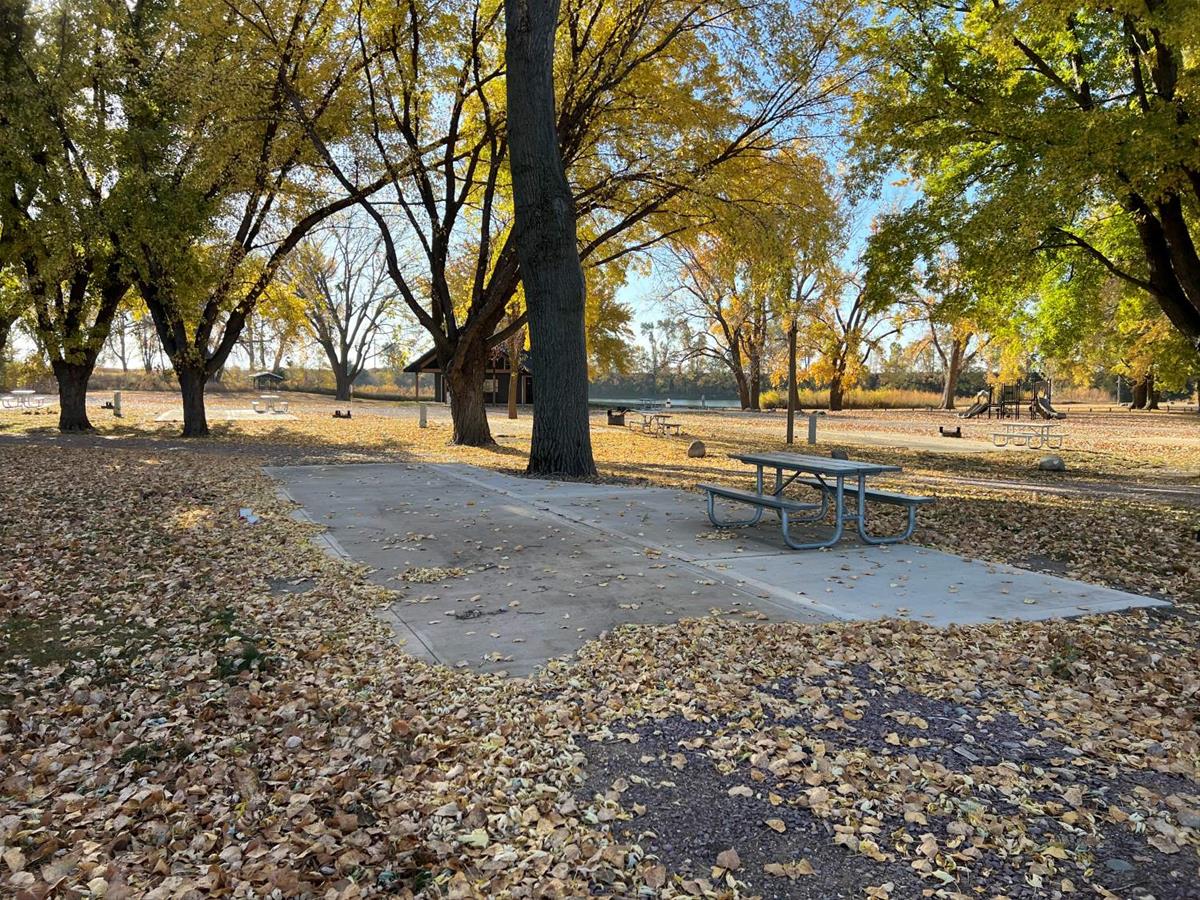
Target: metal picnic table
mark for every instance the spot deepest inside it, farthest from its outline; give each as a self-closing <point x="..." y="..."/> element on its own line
<point x="1030" y="434"/>
<point x="829" y="477"/>
<point x="269" y="403"/>
<point x="658" y="423"/>
<point x="23" y="398"/>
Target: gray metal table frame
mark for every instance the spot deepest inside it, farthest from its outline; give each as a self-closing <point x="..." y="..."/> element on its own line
<point x="655" y="422"/>
<point x="823" y="469"/>
<point x="1046" y="434"/>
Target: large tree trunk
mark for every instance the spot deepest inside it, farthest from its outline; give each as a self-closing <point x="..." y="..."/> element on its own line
<point x="1138" y="398"/>
<point x="6" y="323"/>
<point x="739" y="372"/>
<point x="341" y="375"/>
<point x="514" y="380"/>
<point x="756" y="388"/>
<point x="191" y="388"/>
<point x="467" y="409"/>
<point x="1173" y="296"/>
<point x="951" y="375"/>
<point x="72" y="394"/>
<point x="743" y="387"/>
<point x="148" y="347"/>
<point x="547" y="246"/>
<point x="1145" y="396"/>
<point x="343" y="381"/>
<point x="836" y="393"/>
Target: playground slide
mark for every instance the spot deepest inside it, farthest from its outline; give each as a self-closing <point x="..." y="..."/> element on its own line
<point x="978" y="408"/>
<point x="1043" y="408"/>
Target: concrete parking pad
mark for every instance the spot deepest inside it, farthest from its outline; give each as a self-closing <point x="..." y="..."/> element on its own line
<point x="538" y="567"/>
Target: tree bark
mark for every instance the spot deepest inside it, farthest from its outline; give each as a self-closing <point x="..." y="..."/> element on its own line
<point x="1144" y="394"/>
<point x="738" y="368"/>
<point x="1165" y="281"/>
<point x="468" y="412"/>
<point x="343" y="381"/>
<point x="341" y="369"/>
<point x="743" y="387"/>
<point x="6" y="323"/>
<point x="836" y="393"/>
<point x="952" y="373"/>
<point x="72" y="394"/>
<point x="755" y="378"/>
<point x="547" y="246"/>
<point x="191" y="388"/>
<point x="514" y="379"/>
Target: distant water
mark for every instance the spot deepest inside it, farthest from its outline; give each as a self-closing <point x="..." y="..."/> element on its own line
<point x="638" y="403"/>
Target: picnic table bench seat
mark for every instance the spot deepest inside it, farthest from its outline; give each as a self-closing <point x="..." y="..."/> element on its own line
<point x="769" y="501"/>
<point x="873" y="494"/>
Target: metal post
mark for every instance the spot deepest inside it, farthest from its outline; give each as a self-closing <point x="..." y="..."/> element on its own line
<point x="117" y="404"/>
<point x="812" y="428"/>
<point x="424" y="422"/>
<point x="791" y="387"/>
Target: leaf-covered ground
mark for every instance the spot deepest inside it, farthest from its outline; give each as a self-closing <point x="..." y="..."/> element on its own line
<point x="1126" y="514"/>
<point x="192" y="705"/>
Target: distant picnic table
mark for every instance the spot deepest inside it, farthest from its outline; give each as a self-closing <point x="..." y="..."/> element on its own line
<point x="656" y="423"/>
<point x="22" y="398"/>
<point x="269" y="403"/>
<point x="829" y="478"/>
<point x="1030" y="434"/>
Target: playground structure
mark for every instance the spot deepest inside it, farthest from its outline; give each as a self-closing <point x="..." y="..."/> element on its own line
<point x="1008" y="400"/>
<point x="1039" y="403"/>
<point x="981" y="405"/>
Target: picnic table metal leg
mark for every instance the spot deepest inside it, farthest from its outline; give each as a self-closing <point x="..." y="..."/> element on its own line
<point x="820" y="509"/>
<point x="838" y="523"/>
<point x="862" y="520"/>
<point x="894" y="538"/>
<point x="736" y="523"/>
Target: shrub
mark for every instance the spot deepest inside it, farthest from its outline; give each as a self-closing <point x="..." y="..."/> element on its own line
<point x="855" y="398"/>
<point x="31" y="372"/>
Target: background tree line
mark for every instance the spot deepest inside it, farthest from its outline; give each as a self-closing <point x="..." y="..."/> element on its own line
<point x="222" y="175"/>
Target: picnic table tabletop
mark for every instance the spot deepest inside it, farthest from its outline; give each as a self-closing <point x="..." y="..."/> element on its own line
<point x="818" y="465"/>
<point x="1032" y="426"/>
